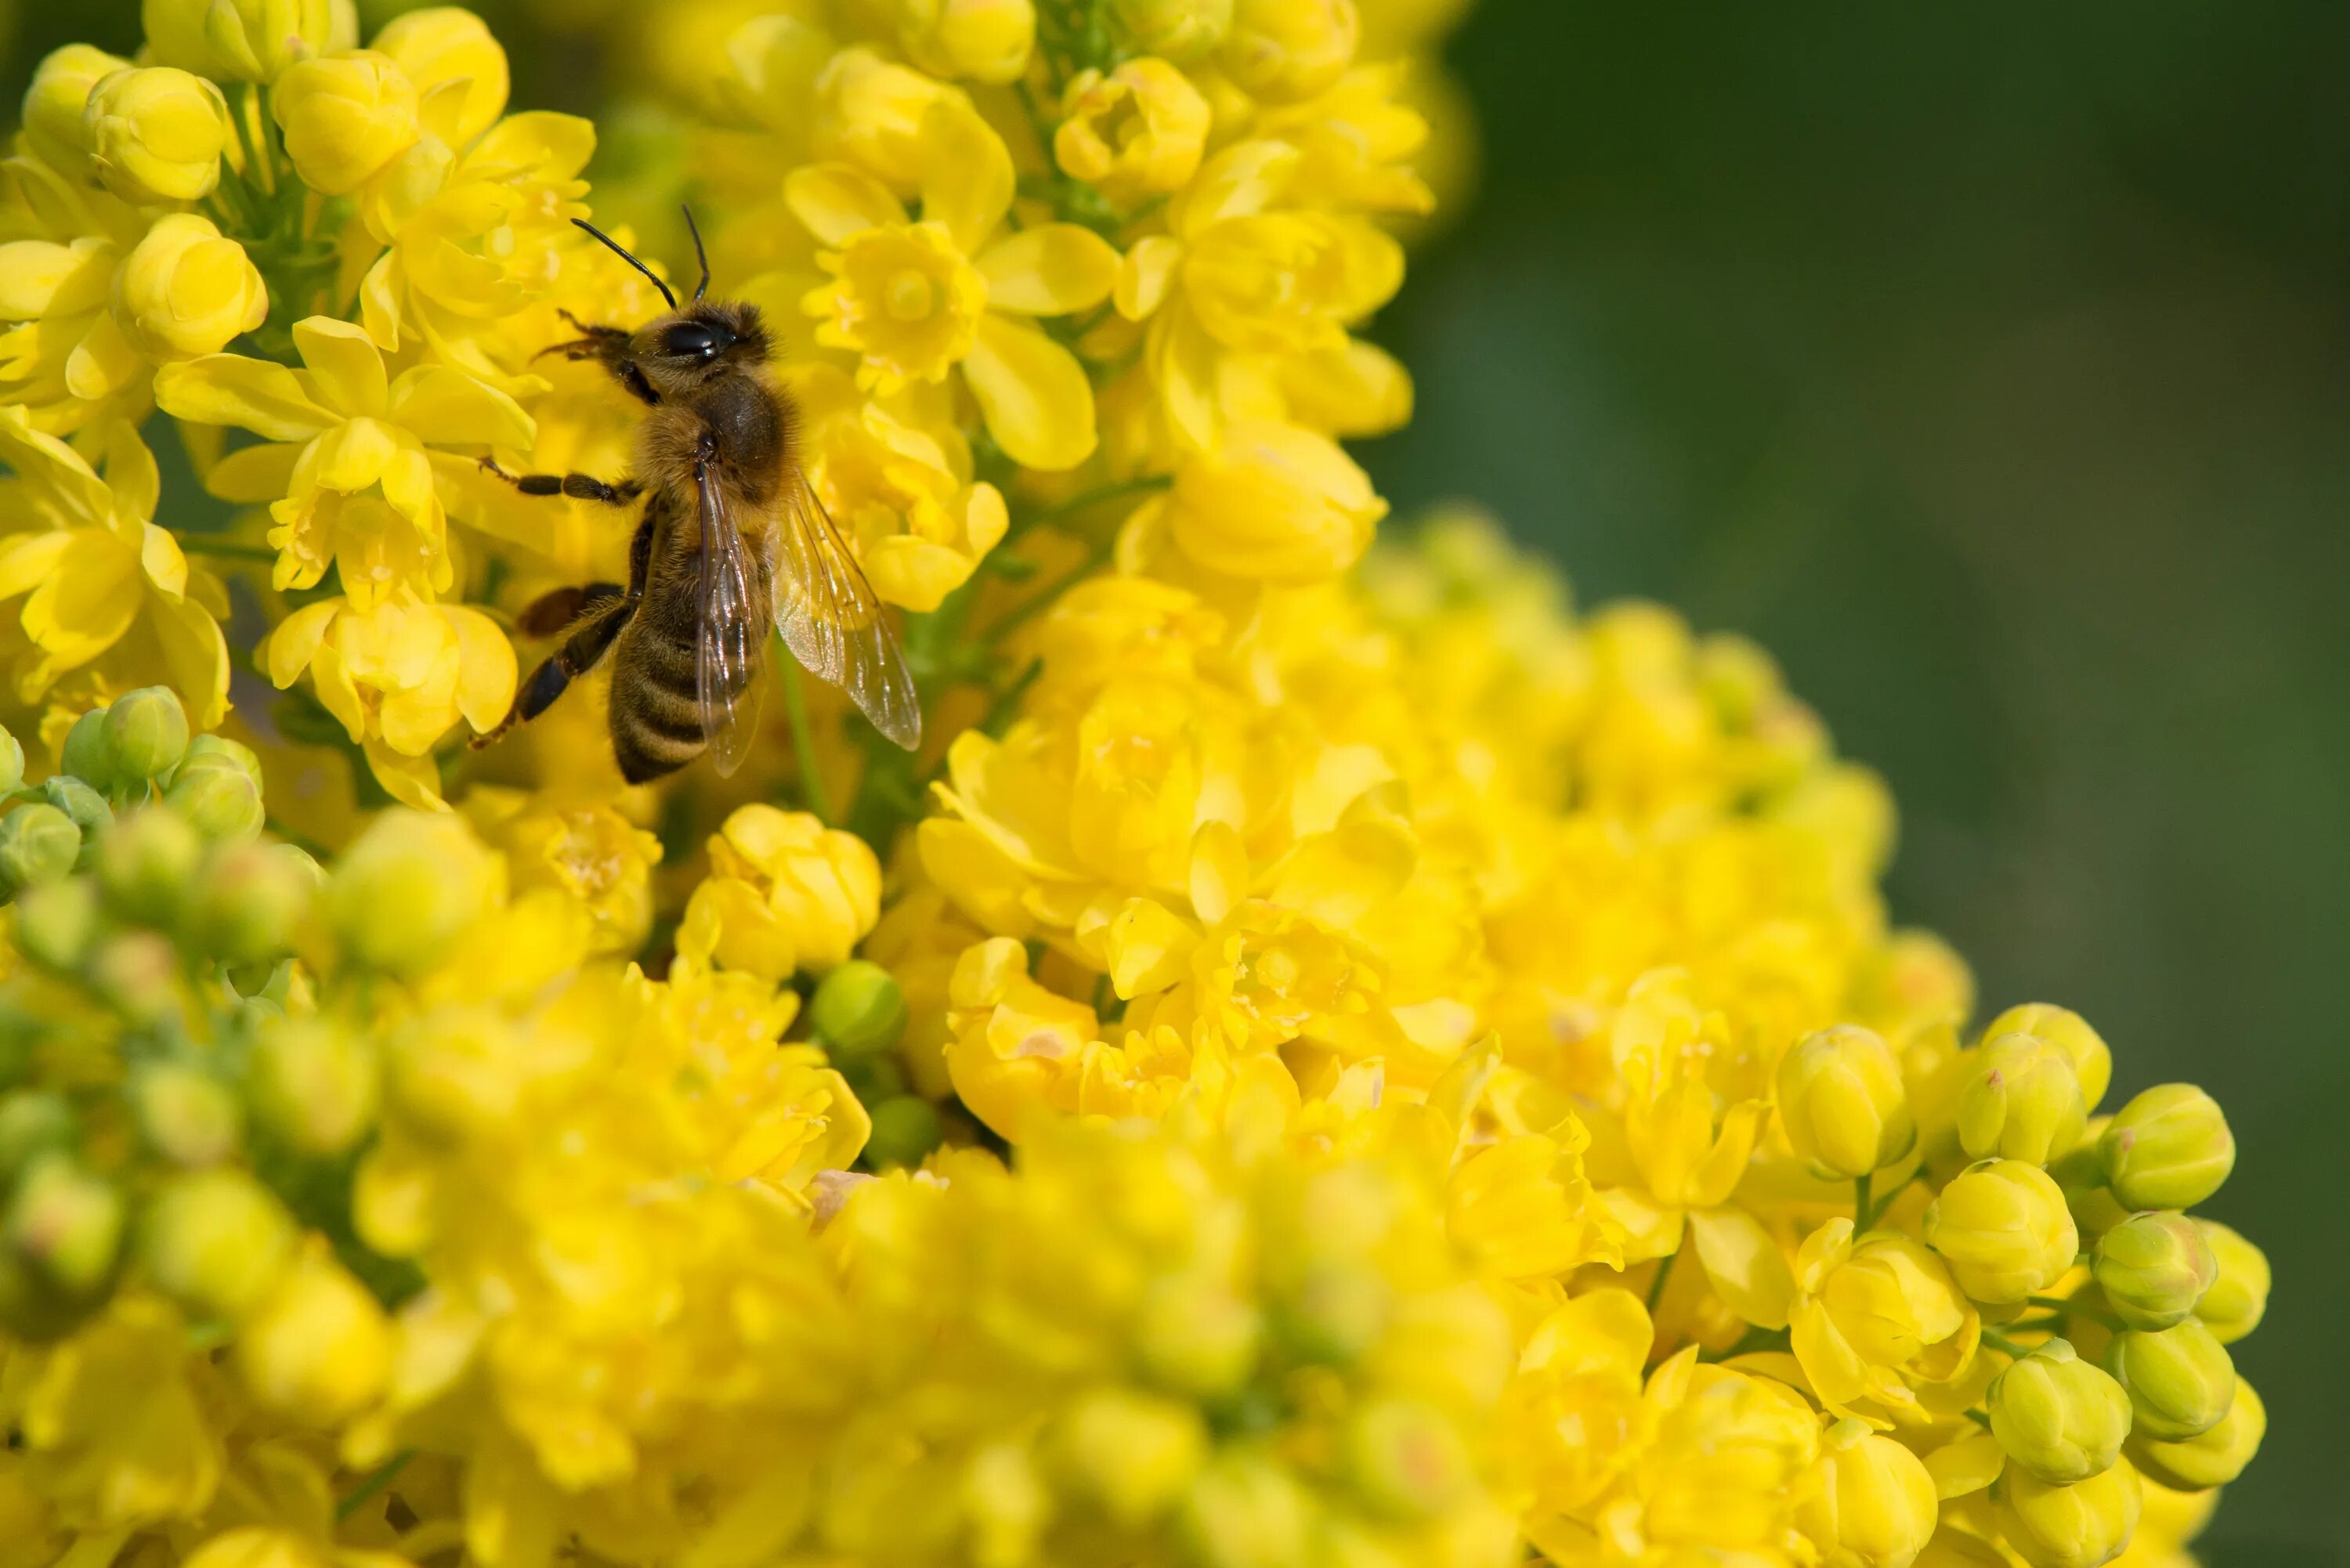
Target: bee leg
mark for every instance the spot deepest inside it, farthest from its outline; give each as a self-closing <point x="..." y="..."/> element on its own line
<point x="592" y="636"/>
<point x="579" y="486"/>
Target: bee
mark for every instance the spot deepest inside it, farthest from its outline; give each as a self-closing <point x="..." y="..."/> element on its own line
<point x="733" y="541"/>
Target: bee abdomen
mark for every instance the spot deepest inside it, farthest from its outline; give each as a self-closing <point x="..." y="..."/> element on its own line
<point x="656" y="717"/>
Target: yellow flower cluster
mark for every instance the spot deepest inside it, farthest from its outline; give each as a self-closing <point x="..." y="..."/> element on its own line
<point x="1329" y="1057"/>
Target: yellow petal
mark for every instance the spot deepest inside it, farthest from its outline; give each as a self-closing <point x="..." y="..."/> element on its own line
<point x="254" y="475"/>
<point x="86" y="605"/>
<point x="197" y="656"/>
<point x="161" y="558"/>
<point x="1240" y="180"/>
<point x="1748" y="1270"/>
<point x="1049" y="270"/>
<point x="27" y="560"/>
<point x="967" y="175"/>
<point x="379" y="294"/>
<point x="485" y="667"/>
<point x="252" y="394"/>
<point x="1357" y="390"/>
<point x="444" y="407"/>
<point x="411" y="781"/>
<point x="103" y="362"/>
<point x="352" y="455"/>
<point x="130" y="474"/>
<point x="1038" y="404"/>
<point x="295" y="641"/>
<point x="344" y="363"/>
<point x="1144" y="275"/>
<point x="835" y="200"/>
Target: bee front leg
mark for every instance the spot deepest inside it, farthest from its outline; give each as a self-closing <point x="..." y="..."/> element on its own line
<point x="604" y="610"/>
<point x="579" y="486"/>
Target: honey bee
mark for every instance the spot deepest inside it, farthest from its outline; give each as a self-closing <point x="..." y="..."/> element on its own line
<point x="733" y="540"/>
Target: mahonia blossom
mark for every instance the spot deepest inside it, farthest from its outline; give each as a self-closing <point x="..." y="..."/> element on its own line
<point x="1330" y="1055"/>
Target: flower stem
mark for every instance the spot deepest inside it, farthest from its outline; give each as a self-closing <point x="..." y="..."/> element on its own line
<point x="372" y="1483"/>
<point x="812" y="790"/>
<point x="1861" y="1214"/>
<point x="1656" y="1285"/>
<point x="2005" y="1345"/>
<point x="1077" y="504"/>
<point x="226" y="549"/>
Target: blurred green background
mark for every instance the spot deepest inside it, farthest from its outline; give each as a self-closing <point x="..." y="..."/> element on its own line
<point x="1991" y="364"/>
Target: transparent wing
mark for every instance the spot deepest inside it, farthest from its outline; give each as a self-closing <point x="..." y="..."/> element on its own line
<point x="732" y="650"/>
<point x="833" y="623"/>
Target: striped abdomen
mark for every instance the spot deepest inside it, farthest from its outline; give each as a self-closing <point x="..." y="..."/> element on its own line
<point x="656" y="718"/>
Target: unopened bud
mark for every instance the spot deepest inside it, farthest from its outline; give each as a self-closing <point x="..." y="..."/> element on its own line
<point x="344" y="117"/>
<point x="904" y="1130"/>
<point x="2002" y="1227"/>
<point x="1175" y="29"/>
<point x="1842" y="1102"/>
<point x="1197" y="1340"/>
<point x="220" y="747"/>
<point x="1290" y="49"/>
<point x="1873" y="1505"/>
<point x="2180" y="1379"/>
<point x="156" y="134"/>
<point x="147" y="732"/>
<point x="52" y="114"/>
<point x="2092" y="1063"/>
<point x="2058" y="1417"/>
<point x="34" y="1122"/>
<point x="145" y="862"/>
<point x="858" y="1010"/>
<point x="88" y="751"/>
<point x="407" y="889"/>
<point x="1334" y="1312"/>
<point x="2215" y="1457"/>
<point x="314" y="1086"/>
<point x="245" y="40"/>
<point x="188" y="1115"/>
<point x="2169" y="1149"/>
<point x="87" y="809"/>
<point x="38" y="845"/>
<point x="2077" y="1526"/>
<point x="250" y="902"/>
<point x="2081" y="1174"/>
<point x="1405" y="1460"/>
<point x="1131" y="1454"/>
<point x="1246" y="1510"/>
<point x="221" y="799"/>
<point x="216" y="1242"/>
<point x="317" y="1349"/>
<point x="2022" y="1101"/>
<point x="2153" y="1268"/>
<point x="67" y="1223"/>
<point x="57" y="923"/>
<point x="136" y="972"/>
<point x="12" y="763"/>
<point x="2239" y="1297"/>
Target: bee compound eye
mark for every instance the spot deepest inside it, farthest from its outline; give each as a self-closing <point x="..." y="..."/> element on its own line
<point x="691" y="340"/>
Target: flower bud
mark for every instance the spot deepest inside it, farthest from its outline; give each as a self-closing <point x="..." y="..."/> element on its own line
<point x="88" y="751"/>
<point x="32" y="1122"/>
<point x="317" y="1348"/>
<point x="249" y="903"/>
<point x="1841" y="1103"/>
<point x="187" y="1116"/>
<point x="182" y="292"/>
<point x="221" y="800"/>
<point x="2239" y="1297"/>
<point x="1334" y="1312"/>
<point x="244" y="40"/>
<point x="145" y="862"/>
<point x="1134" y="133"/>
<point x="344" y="117"/>
<point x="904" y="1130"/>
<point x="2022" y="1101"/>
<point x="858" y="1010"/>
<point x="220" y="748"/>
<point x="216" y="1242"/>
<point x="1275" y="503"/>
<point x="1873" y="1505"/>
<point x="1954" y="1548"/>
<point x="38" y="845"/>
<point x="57" y="923"/>
<point x="2167" y="1148"/>
<point x="2180" y="1379"/>
<point x="406" y="888"/>
<point x="314" y="1085"/>
<point x="67" y="1223"/>
<point x="2092" y="1063"/>
<point x="137" y="973"/>
<point x="2002" y="1227"/>
<point x="2077" y="1526"/>
<point x="1290" y="49"/>
<point x="1195" y="1339"/>
<point x="1131" y="1454"/>
<point x="2215" y="1457"/>
<point x="2153" y="1268"/>
<point x="2058" y="1417"/>
<point x="54" y="127"/>
<point x="1405" y="1460"/>
<point x="87" y="808"/>
<point x="1246" y="1510"/>
<point x="1175" y="29"/>
<point x="459" y="68"/>
<point x="981" y="40"/>
<point x="148" y="728"/>
<point x="156" y="134"/>
<point x="2082" y="1175"/>
<point x="12" y="764"/>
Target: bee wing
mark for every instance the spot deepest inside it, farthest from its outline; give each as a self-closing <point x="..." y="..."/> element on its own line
<point x="731" y="652"/>
<point x="833" y="623"/>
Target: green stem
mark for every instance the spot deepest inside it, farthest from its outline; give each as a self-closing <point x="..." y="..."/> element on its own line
<point x="1979" y="1419"/>
<point x="226" y="549"/>
<point x="804" y="743"/>
<point x="1077" y="504"/>
<point x="1656" y="1285"/>
<point x="1861" y="1213"/>
<point x="2005" y="1345"/>
<point x="2071" y="1308"/>
<point x="372" y="1483"/>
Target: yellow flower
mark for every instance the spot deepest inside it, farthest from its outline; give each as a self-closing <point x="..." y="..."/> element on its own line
<point x="1137" y="132"/>
<point x="1284" y="50"/>
<point x="1271" y="503"/>
<point x="1573" y="1406"/>
<point x="1719" y="1456"/>
<point x="397" y="675"/>
<point x="184" y="291"/>
<point x="458" y="68"/>
<point x="1872" y="1504"/>
<point x="1178" y="29"/>
<point x="873" y="113"/>
<point x="64" y="359"/>
<point x="157" y="134"/>
<point x="1354" y="140"/>
<point x="583" y="847"/>
<point x="316" y="1349"/>
<point x="244" y="40"/>
<point x="2004" y="1230"/>
<point x="1877" y="1320"/>
<point x="53" y="127"/>
<point x="344" y="117"/>
<point x="987" y="40"/>
<point x="1841" y="1103"/>
<point x="785" y="893"/>
<point x="915" y="300"/>
<point x="103" y="582"/>
<point x="351" y="467"/>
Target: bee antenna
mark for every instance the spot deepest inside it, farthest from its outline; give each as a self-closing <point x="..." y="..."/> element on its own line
<point x="699" y="253"/>
<point x="619" y="251"/>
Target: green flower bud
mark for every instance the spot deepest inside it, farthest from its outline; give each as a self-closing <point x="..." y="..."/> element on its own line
<point x="1334" y="1312"/>
<point x="12" y="763"/>
<point x="88" y="754"/>
<point x="1246" y="1510"/>
<point x="147" y="732"/>
<point x="2022" y="1101"/>
<point x="2169" y="1149"/>
<point x="1175" y="29"/>
<point x="145" y="862"/>
<point x="1196" y="1339"/>
<point x="2215" y="1458"/>
<point x="67" y="1223"/>
<point x="137" y="973"/>
<point x="406" y="889"/>
<point x="1131" y="1454"/>
<point x="2180" y="1379"/>
<point x="2154" y="1268"/>
<point x="250" y="902"/>
<point x="188" y="1115"/>
<point x="874" y="1079"/>
<point x="904" y="1130"/>
<point x="1954" y="1548"/>
<point x="216" y="1242"/>
<point x="2002" y="1227"/>
<point x="32" y="1122"/>
<point x="1405" y="1460"/>
<point x="2057" y="1415"/>
<point x="2239" y="1298"/>
<point x="220" y="799"/>
<point x="220" y="747"/>
<point x="38" y="845"/>
<point x="858" y="1010"/>
<point x="314" y="1086"/>
<point x="87" y="808"/>
<point x="57" y="923"/>
<point x="1841" y="1103"/>
<point x="2078" y="1526"/>
<point x="2092" y="1063"/>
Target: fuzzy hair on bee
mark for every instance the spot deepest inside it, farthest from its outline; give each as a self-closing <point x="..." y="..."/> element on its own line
<point x="733" y="542"/>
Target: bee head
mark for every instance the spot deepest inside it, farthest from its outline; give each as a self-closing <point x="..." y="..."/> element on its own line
<point x="685" y="348"/>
